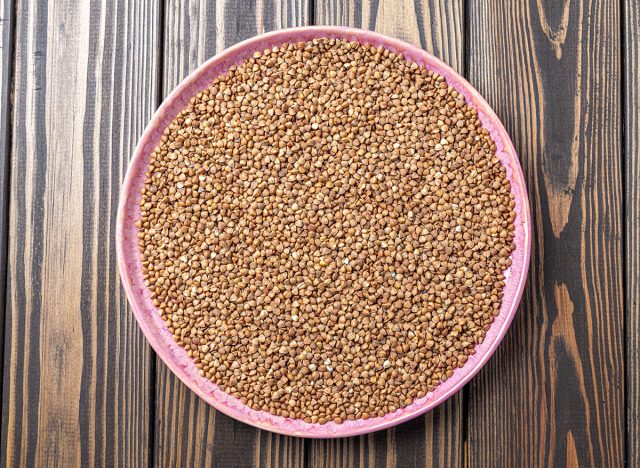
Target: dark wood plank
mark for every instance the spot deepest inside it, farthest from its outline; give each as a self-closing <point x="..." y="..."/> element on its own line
<point x="432" y="440"/>
<point x="188" y="431"/>
<point x="6" y="69"/>
<point x="76" y="369"/>
<point x="553" y="395"/>
<point x="631" y="69"/>
<point x="435" y="439"/>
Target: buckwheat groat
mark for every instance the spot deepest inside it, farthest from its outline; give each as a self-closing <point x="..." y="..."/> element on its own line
<point x="325" y="230"/>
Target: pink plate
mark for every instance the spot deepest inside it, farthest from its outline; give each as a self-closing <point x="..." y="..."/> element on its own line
<point x="149" y="318"/>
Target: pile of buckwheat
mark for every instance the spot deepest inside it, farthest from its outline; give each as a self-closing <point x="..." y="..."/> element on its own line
<point x="325" y="231"/>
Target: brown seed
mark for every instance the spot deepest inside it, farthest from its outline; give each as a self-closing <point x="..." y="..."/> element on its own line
<point x="325" y="229"/>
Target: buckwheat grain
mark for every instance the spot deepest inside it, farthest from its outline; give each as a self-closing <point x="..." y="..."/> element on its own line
<point x="325" y="230"/>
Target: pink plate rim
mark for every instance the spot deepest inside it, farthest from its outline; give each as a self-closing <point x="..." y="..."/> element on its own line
<point x="176" y="358"/>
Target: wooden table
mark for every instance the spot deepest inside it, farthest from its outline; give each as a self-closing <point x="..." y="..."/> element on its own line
<point x="80" y="79"/>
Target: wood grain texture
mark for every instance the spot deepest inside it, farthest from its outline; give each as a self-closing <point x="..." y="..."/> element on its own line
<point x="76" y="367"/>
<point x="553" y="395"/>
<point x="431" y="440"/>
<point x="188" y="431"/>
<point x="435" y="439"/>
<point x="631" y="68"/>
<point x="435" y="25"/>
<point x="6" y="72"/>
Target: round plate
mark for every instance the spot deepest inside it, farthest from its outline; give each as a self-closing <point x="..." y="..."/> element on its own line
<point x="154" y="328"/>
